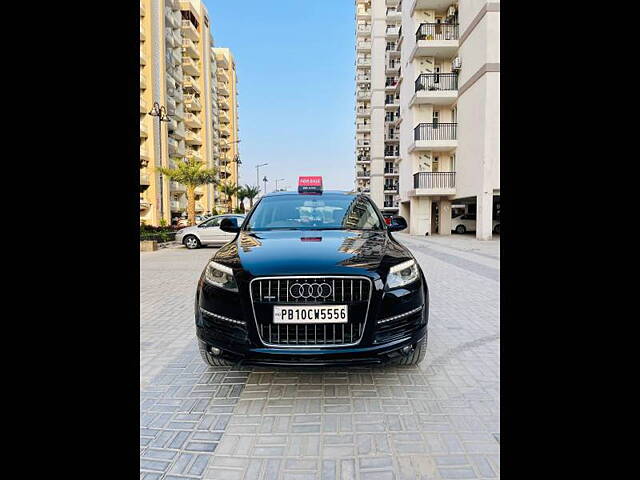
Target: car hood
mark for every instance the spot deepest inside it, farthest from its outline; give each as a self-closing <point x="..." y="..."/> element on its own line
<point x="323" y="252"/>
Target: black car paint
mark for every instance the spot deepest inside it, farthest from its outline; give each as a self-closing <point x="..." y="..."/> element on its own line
<point x="311" y="252"/>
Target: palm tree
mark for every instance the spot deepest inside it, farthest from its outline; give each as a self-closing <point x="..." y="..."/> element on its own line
<point x="251" y="193"/>
<point x="242" y="194"/>
<point x="191" y="173"/>
<point x="229" y="189"/>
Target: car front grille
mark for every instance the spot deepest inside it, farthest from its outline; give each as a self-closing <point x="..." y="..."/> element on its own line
<point x="355" y="292"/>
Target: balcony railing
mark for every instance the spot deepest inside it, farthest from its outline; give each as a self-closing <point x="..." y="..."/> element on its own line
<point x="437" y="81"/>
<point x="365" y="45"/>
<point x="391" y="204"/>
<point x="391" y="136"/>
<point x="391" y="152"/>
<point x="363" y="159"/>
<point x="364" y="28"/>
<point x="363" y="142"/>
<point x="435" y="131"/>
<point x="391" y="187"/>
<point x="434" y="180"/>
<point x="363" y="174"/>
<point x="391" y="171"/>
<point x="437" y="31"/>
<point x="364" y="61"/>
<point x="364" y="111"/>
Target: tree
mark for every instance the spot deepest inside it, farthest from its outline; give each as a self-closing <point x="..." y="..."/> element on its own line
<point x="241" y="194"/>
<point x="229" y="190"/>
<point x="251" y="193"/>
<point x="192" y="174"/>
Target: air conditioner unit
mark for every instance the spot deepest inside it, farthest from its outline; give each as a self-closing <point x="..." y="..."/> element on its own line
<point x="456" y="64"/>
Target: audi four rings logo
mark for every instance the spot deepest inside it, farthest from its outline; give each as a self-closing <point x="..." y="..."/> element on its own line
<point x="310" y="290"/>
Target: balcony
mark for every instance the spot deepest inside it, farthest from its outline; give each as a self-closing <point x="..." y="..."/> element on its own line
<point x="144" y="156"/>
<point x="143" y="12"/>
<point x="195" y="154"/>
<point x="189" y="30"/>
<point x="143" y="61"/>
<point x="435" y="89"/>
<point x="364" y="62"/>
<point x="390" y="188"/>
<point x="169" y="38"/>
<point x="173" y="146"/>
<point x="363" y="159"/>
<point x="179" y="113"/>
<point x="221" y="61"/>
<point x="193" y="138"/>
<point x="393" y="14"/>
<point x="363" y="13"/>
<point x="190" y="82"/>
<point x="391" y="103"/>
<point x="392" y="32"/>
<point x="391" y="205"/>
<point x="144" y="205"/>
<point x="363" y="95"/>
<point x="363" y="142"/>
<point x="144" y="131"/>
<point x="143" y="106"/>
<point x="363" y="112"/>
<point x="143" y="82"/>
<point x="176" y="187"/>
<point x="435" y="136"/>
<point x="144" y="179"/>
<point x="391" y="137"/>
<point x="177" y="75"/>
<point x="363" y="30"/>
<point x="192" y="103"/>
<point x="170" y="18"/>
<point x="363" y="174"/>
<point x="192" y="120"/>
<point x="363" y="46"/>
<point x="189" y="48"/>
<point x="221" y="73"/>
<point x="363" y="127"/>
<point x="392" y="67"/>
<point x="391" y="84"/>
<point x="434" y="183"/>
<point x="142" y="34"/>
<point x="178" y="133"/>
<point x="436" y="40"/>
<point x="175" y="206"/>
<point x="223" y="103"/>
<point x="391" y="172"/>
<point x="224" y="117"/>
<point x="190" y="67"/>
<point x="223" y="89"/>
<point x="171" y="105"/>
<point x="363" y="78"/>
<point x="391" y="153"/>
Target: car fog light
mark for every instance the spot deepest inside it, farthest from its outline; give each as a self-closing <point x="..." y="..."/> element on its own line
<point x="406" y="350"/>
<point x="215" y="351"/>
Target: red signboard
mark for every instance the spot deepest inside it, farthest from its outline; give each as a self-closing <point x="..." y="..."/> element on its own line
<point x="309" y="184"/>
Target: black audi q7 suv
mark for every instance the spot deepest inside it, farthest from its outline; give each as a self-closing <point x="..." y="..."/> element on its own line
<point x="312" y="279"/>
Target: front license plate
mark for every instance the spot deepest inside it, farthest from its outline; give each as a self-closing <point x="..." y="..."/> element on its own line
<point x="311" y="314"/>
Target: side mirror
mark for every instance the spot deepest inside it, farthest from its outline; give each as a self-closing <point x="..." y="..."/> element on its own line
<point x="229" y="225"/>
<point x="397" y="223"/>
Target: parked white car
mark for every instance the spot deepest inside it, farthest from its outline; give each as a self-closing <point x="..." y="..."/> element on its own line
<point x="467" y="223"/>
<point x="207" y="232"/>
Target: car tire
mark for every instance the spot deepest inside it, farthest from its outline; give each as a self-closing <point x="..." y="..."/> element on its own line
<point x="415" y="357"/>
<point x="461" y="229"/>
<point x="191" y="242"/>
<point x="496" y="229"/>
<point x="210" y="359"/>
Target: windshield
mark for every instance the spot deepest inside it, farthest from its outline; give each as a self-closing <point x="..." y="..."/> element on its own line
<point x="308" y="212"/>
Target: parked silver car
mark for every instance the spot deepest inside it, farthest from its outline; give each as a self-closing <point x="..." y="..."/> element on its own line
<point x="207" y="232"/>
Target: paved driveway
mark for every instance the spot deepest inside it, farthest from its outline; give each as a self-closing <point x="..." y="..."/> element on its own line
<point x="438" y="420"/>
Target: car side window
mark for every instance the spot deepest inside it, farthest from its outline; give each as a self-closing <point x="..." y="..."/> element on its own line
<point x="214" y="222"/>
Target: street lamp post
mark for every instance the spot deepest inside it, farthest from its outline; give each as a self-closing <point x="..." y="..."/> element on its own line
<point x="265" y="183"/>
<point x="277" y="180"/>
<point x="161" y="112"/>
<point x="258" y="174"/>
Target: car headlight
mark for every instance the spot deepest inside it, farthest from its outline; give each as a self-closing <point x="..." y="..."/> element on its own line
<point x="220" y="276"/>
<point x="403" y="274"/>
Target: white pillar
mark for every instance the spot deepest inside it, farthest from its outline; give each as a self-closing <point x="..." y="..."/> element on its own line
<point x="444" y="217"/>
<point x="484" y="216"/>
<point x="420" y="220"/>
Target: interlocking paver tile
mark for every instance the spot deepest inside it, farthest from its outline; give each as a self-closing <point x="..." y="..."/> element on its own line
<point x="437" y="420"/>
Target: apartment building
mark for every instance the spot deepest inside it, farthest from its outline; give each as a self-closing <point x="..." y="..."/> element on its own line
<point x="447" y="89"/>
<point x="178" y="70"/>
<point x="227" y="84"/>
<point x="377" y="101"/>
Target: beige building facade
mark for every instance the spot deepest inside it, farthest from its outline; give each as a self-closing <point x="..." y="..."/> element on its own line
<point x="227" y="84"/>
<point x="178" y="70"/>
<point x="448" y="95"/>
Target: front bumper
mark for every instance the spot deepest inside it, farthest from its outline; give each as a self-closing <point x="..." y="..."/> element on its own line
<point x="281" y="357"/>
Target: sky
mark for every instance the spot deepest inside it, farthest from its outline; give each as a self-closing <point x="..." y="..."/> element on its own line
<point x="295" y="66"/>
